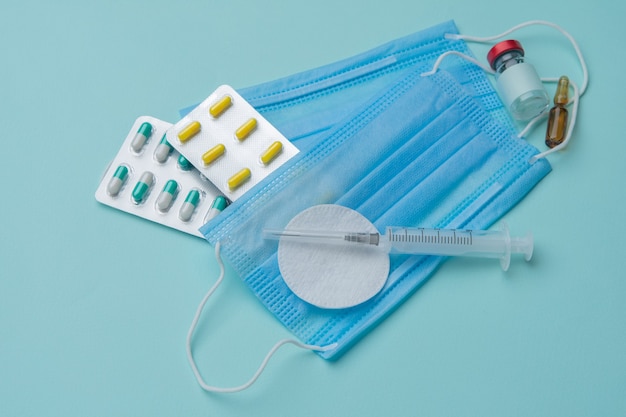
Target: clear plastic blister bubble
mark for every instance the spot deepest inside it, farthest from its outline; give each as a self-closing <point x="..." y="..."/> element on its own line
<point x="148" y="178"/>
<point x="230" y="143"/>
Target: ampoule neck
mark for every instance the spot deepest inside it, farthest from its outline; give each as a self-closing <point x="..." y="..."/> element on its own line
<point x="561" y="96"/>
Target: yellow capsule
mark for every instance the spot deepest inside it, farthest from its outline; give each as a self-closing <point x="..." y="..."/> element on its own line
<point x="239" y="178"/>
<point x="212" y="154"/>
<point x="245" y="129"/>
<point x="271" y="152"/>
<point x="220" y="106"/>
<point x="189" y="131"/>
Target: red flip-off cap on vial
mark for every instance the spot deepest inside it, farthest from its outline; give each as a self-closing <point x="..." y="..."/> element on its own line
<point x="502" y="48"/>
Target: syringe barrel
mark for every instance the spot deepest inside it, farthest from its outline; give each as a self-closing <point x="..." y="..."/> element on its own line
<point x="447" y="242"/>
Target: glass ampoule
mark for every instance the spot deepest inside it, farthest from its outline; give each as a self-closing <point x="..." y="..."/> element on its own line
<point x="557" y="121"/>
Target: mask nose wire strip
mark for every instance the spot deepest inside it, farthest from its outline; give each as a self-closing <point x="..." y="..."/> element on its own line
<point x="269" y="355"/>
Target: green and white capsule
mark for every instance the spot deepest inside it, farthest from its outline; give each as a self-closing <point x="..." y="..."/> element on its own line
<point x="184" y="164"/>
<point x="167" y="196"/>
<point x="162" y="150"/>
<point x="219" y="204"/>
<point x="142" y="188"/>
<point x="189" y="206"/>
<point x="141" y="137"/>
<point x="117" y="180"/>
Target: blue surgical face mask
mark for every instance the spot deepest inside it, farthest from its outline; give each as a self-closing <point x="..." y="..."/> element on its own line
<point x="398" y="147"/>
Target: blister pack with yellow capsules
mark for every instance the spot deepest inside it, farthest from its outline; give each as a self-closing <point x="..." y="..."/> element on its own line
<point x="230" y="143"/>
<point x="149" y="179"/>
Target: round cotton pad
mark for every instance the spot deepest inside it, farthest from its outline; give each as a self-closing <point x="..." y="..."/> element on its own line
<point x="332" y="275"/>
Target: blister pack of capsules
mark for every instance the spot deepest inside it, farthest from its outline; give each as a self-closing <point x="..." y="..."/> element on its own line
<point x="149" y="179"/>
<point x="230" y="143"/>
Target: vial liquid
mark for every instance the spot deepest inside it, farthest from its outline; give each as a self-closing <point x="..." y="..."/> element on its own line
<point x="517" y="81"/>
<point x="557" y="121"/>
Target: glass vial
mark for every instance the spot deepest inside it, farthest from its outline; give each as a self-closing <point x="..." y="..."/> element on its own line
<point x="557" y="121"/>
<point x="517" y="81"/>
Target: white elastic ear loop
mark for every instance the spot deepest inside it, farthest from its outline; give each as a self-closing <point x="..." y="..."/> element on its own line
<point x="579" y="54"/>
<point x="577" y="92"/>
<point x="439" y="60"/>
<point x="272" y="351"/>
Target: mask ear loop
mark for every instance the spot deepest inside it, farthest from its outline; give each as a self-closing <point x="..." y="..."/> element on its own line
<point x="443" y="56"/>
<point x="578" y="92"/>
<point x="269" y="355"/>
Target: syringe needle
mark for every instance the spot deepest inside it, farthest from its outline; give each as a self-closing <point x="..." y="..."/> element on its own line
<point x="325" y="236"/>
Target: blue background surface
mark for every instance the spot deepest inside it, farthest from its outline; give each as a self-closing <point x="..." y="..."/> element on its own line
<point x="95" y="304"/>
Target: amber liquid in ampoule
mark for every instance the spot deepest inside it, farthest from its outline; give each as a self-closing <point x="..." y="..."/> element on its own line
<point x="557" y="121"/>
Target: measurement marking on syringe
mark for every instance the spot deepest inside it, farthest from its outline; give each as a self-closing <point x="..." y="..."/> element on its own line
<point x="442" y="237"/>
<point x="451" y="237"/>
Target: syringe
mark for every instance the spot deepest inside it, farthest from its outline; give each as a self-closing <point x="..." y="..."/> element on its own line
<point x="447" y="242"/>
